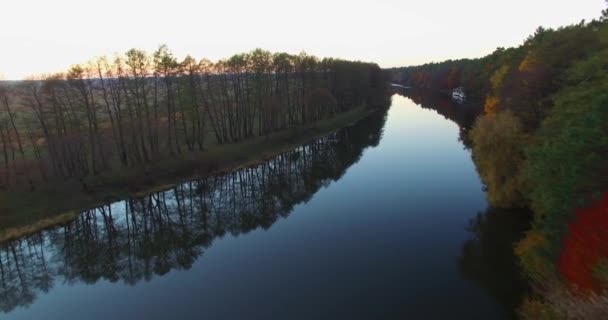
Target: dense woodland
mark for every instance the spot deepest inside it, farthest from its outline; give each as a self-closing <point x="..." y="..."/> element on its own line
<point x="140" y="238"/>
<point x="543" y="144"/>
<point x="139" y="108"/>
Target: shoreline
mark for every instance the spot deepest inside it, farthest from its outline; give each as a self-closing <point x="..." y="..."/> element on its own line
<point x="27" y="213"/>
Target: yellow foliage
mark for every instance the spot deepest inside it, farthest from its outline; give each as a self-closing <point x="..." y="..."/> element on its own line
<point x="497" y="81"/>
<point x="532" y="262"/>
<point x="498" y="77"/>
<point x="532" y="241"/>
<point x="528" y="63"/>
<point x="491" y="105"/>
<point x="497" y="150"/>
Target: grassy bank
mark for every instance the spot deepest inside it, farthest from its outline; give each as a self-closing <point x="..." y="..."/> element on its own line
<point x="25" y="212"/>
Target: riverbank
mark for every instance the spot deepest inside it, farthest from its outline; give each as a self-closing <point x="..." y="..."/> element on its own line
<point x="56" y="203"/>
<point x="541" y="144"/>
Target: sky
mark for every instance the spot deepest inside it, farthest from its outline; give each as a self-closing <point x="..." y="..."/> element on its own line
<point x="42" y="36"/>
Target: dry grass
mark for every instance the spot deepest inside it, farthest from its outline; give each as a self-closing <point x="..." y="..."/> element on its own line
<point x="557" y="302"/>
<point x="18" y="232"/>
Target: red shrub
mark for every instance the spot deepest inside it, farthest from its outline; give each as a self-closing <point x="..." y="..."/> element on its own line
<point x="585" y="245"/>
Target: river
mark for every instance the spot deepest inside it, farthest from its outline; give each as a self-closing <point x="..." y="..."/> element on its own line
<point x="386" y="219"/>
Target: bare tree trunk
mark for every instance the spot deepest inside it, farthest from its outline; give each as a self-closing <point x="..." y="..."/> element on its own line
<point x="5" y="153"/>
<point x="12" y="120"/>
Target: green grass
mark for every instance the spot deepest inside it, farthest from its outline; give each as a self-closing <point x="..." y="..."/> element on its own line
<point x="23" y="212"/>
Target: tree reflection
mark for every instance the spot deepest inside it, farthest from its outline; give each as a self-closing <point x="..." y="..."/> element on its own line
<point x="463" y="114"/>
<point x="140" y="238"/>
<point x="488" y="257"/>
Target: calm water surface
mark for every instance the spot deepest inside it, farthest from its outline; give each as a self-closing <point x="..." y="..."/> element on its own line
<point x="383" y="220"/>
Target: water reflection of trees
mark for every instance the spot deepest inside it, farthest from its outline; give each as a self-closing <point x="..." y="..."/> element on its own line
<point x="140" y="238"/>
<point x="463" y="114"/>
<point x="488" y="259"/>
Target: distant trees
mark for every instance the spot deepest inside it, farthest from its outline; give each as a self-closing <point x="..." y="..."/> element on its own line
<point x="473" y="74"/>
<point x="136" y="108"/>
<point x="549" y="88"/>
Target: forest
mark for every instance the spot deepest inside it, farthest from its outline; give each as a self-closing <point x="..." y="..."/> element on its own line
<point x="119" y="121"/>
<point x="542" y="144"/>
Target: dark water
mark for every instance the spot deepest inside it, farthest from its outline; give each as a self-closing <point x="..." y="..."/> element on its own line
<point x="383" y="220"/>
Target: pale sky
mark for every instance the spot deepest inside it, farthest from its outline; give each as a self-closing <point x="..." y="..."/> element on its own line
<point x="40" y="36"/>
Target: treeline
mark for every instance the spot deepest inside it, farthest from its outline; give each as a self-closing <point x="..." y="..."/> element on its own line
<point x="472" y="74"/>
<point x="146" y="237"/>
<point x="137" y="108"/>
<point x="517" y="77"/>
<point x="543" y="144"/>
